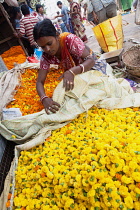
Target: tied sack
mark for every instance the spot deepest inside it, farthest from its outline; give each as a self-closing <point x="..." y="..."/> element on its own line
<point x="109" y="34"/>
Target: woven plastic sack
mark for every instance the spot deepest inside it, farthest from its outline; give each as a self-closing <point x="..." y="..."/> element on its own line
<point x="137" y="14"/>
<point x="110" y="34"/>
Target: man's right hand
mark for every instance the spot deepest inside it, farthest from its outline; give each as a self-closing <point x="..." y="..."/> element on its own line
<point x="50" y="105"/>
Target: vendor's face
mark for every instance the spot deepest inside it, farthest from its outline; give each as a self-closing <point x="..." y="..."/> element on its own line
<point x="49" y="44"/>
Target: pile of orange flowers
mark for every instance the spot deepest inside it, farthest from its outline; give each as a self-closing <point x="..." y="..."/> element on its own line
<point x="26" y="97"/>
<point x="13" y="55"/>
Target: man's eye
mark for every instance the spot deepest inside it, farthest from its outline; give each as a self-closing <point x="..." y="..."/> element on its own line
<point x="49" y="43"/>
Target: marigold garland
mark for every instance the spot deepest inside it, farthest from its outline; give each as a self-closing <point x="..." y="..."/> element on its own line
<point x="92" y="163"/>
<point x="13" y="55"/>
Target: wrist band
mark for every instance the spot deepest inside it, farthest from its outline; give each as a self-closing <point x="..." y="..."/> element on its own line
<point x="83" y="68"/>
<point x="72" y="72"/>
<point x="43" y="97"/>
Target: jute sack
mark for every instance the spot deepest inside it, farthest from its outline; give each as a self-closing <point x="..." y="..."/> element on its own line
<point x="91" y="88"/>
<point x="10" y="82"/>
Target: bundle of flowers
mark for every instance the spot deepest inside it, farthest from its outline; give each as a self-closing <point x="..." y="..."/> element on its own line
<point x="92" y="163"/>
<point x="13" y="55"/>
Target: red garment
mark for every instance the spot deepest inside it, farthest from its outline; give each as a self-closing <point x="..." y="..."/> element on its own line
<point x="75" y="47"/>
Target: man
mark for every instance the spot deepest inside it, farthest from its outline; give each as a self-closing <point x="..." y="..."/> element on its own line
<point x="27" y="24"/>
<point x="103" y="9"/>
<point x="64" y="15"/>
<point x="40" y="12"/>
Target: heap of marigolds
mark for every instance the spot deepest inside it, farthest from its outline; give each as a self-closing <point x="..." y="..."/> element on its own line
<point x="92" y="163"/>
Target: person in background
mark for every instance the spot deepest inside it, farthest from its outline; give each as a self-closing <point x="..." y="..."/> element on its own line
<point x="17" y="15"/>
<point x="64" y="15"/>
<point x="61" y="23"/>
<point x="27" y="24"/>
<point x="135" y="4"/>
<point x="40" y="12"/>
<point x="88" y="11"/>
<point x="16" y="18"/>
<point x="103" y="9"/>
<point x="75" y="13"/>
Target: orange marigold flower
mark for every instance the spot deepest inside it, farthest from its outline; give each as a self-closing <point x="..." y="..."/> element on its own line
<point x="8" y="203"/>
<point x="138" y="185"/>
<point x="68" y="132"/>
<point x="118" y="176"/>
<point x="43" y="174"/>
<point x="9" y="196"/>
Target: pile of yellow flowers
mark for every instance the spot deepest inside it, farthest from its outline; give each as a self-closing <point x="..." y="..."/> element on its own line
<point x="93" y="163"/>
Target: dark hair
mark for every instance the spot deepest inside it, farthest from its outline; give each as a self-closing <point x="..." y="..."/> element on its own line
<point x="44" y="28"/>
<point x="15" y="10"/>
<point x="59" y="3"/>
<point x="38" y="6"/>
<point x="25" y="9"/>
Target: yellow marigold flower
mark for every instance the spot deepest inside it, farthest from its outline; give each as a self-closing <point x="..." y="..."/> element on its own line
<point x="137" y="205"/>
<point x="129" y="202"/>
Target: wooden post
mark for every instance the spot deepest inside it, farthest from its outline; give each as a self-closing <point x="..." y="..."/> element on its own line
<point x="10" y="24"/>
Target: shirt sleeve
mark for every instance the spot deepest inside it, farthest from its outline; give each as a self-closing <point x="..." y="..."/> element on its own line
<point x="22" y="28"/>
<point x="44" y="64"/>
<point x="66" y="15"/>
<point x="75" y="45"/>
